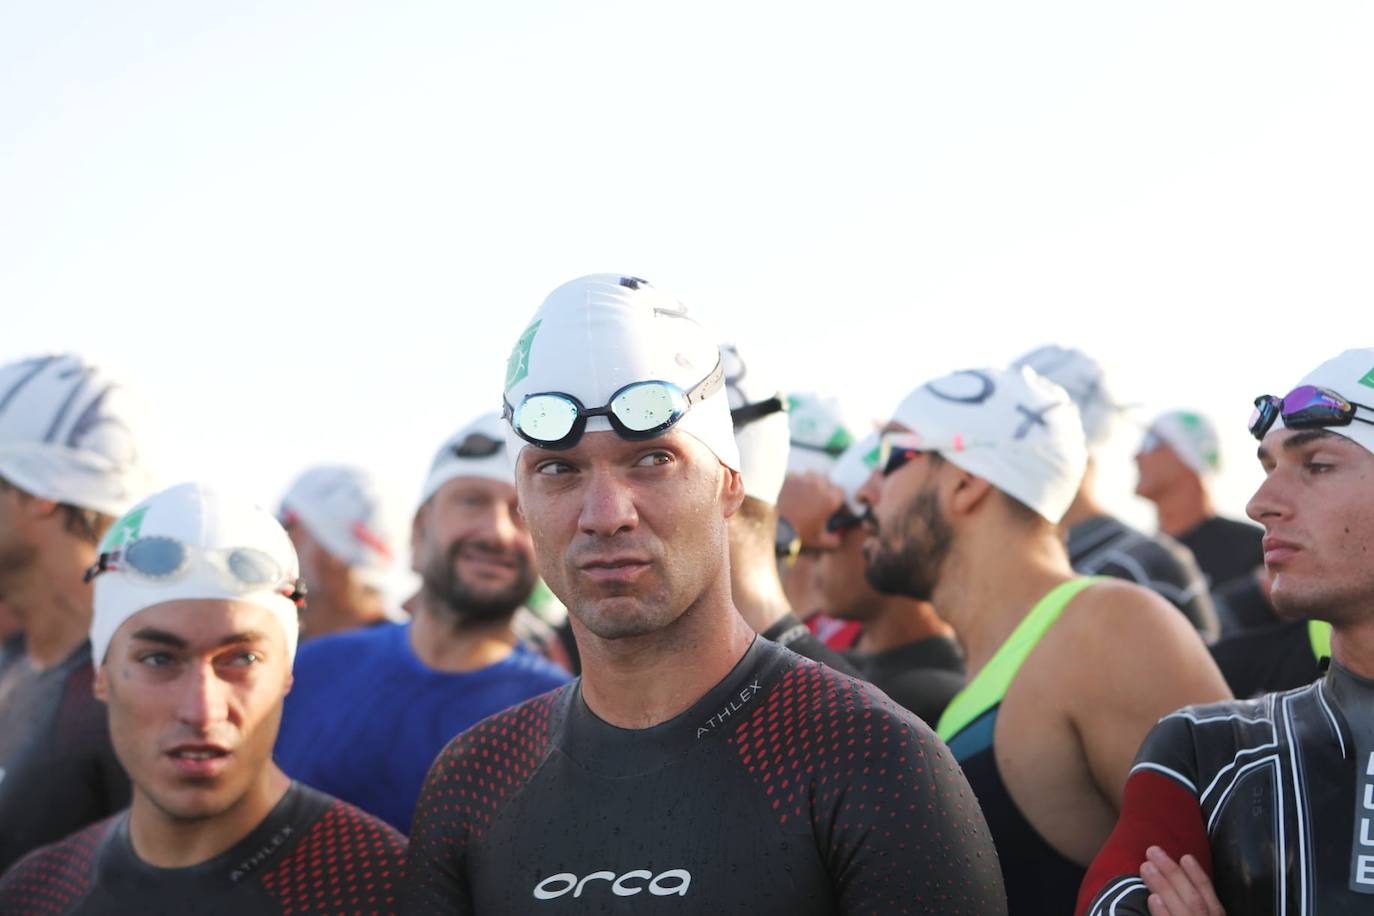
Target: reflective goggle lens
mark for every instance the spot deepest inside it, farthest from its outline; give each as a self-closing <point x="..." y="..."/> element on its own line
<point x="254" y="568"/>
<point x="1305" y="407"/>
<point x="546" y="417"/>
<point x="648" y="407"/>
<point x="155" y="556"/>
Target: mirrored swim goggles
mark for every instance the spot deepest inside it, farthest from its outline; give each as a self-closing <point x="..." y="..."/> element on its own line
<point x="1305" y="407"/>
<point x="641" y="410"/>
<point x="158" y="560"/>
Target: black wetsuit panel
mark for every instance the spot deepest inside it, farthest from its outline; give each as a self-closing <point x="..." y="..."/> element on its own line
<point x="1105" y="546"/>
<point x="787" y="789"/>
<point x="921" y="676"/>
<point x="311" y="854"/>
<point x="1276" y="793"/>
<point x="58" y="771"/>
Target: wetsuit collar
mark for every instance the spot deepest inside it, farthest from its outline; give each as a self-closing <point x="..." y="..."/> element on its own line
<point x="621" y="752"/>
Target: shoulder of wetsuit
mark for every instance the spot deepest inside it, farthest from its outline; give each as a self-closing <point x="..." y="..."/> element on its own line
<point x="790" y="633"/>
<point x="867" y="762"/>
<point x="473" y="777"/>
<point x="54" y="879"/>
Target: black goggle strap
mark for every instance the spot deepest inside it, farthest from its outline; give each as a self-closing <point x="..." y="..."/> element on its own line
<point x="103" y="563"/>
<point x="479" y="445"/>
<point x="748" y="413"/>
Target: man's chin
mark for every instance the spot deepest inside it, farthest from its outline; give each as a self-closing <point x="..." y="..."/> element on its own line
<point x="623" y="617"/>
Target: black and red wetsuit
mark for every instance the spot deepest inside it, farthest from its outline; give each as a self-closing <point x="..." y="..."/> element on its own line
<point x="312" y="854"/>
<point x="787" y="789"/>
<point x="1273" y="796"/>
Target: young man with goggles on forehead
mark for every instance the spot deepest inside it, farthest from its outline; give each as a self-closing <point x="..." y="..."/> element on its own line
<point x="1265" y="806"/>
<point x="195" y="626"/>
<point x="974" y="476"/>
<point x="692" y="759"/>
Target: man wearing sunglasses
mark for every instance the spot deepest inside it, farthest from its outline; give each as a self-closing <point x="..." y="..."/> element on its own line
<point x="905" y="649"/>
<point x="371" y="709"/>
<point x="1266" y="806"/>
<point x="334" y="514"/>
<point x="1067" y="674"/>
<point x="692" y="760"/>
<point x="69" y="465"/>
<point x="195" y="624"/>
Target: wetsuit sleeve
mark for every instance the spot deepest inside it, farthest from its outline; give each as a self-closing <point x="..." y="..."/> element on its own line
<point x="1161" y="809"/>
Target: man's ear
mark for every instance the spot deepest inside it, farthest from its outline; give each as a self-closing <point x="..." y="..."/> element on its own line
<point x="732" y="490"/>
<point x="967" y="492"/>
<point x="100" y="686"/>
<point x="417" y="536"/>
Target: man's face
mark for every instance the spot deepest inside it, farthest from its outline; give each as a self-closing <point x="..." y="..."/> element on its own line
<point x="908" y="537"/>
<point x="1317" y="508"/>
<point x="195" y="691"/>
<point x="628" y="534"/>
<point x="473" y="551"/>
<point x="1160" y="470"/>
<point x="841" y="576"/>
<point x="18" y="552"/>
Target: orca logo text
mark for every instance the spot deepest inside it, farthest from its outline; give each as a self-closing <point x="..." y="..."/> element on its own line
<point x="674" y="881"/>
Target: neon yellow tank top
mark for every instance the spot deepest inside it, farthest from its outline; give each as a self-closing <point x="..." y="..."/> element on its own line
<point x="987" y="689"/>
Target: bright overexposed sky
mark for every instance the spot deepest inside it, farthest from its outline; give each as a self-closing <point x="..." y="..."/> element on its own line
<point x="311" y="231"/>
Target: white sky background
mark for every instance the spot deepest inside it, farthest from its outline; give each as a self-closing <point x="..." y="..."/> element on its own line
<point x="311" y="231"/>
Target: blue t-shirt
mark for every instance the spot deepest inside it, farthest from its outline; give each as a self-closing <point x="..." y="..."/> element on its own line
<point x="365" y="717"/>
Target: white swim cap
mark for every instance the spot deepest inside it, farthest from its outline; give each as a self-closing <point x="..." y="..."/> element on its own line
<point x="762" y="440"/>
<point x="231" y="550"/>
<point x="820" y="433"/>
<point x="1351" y="375"/>
<point x="341" y="507"/>
<point x="66" y="434"/>
<point x="597" y="334"/>
<point x="1192" y="437"/>
<point x="1016" y="430"/>
<point x="476" y="450"/>
<point x="1086" y="382"/>
<point x="855" y="466"/>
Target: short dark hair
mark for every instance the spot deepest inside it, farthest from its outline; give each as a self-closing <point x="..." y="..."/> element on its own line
<point x="87" y="524"/>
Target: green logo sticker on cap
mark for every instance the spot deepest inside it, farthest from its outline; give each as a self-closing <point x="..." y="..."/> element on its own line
<point x="125" y="530"/>
<point x="871" y="459"/>
<point x="518" y="366"/>
<point x="1368" y="380"/>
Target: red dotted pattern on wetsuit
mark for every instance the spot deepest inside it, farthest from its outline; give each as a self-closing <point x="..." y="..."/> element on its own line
<point x="346" y="862"/>
<point x="480" y="767"/>
<point x="888" y="804"/>
<point x="55" y="878"/>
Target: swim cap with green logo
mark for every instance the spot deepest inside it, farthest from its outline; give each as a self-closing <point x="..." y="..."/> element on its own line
<point x="227" y="542"/>
<point x="1351" y="375"/>
<point x="597" y="334"/>
<point x="855" y="466"/>
<point x="1192" y="437"/>
<point x="820" y="433"/>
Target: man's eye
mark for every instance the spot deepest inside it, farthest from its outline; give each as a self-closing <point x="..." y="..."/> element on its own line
<point x="245" y="659"/>
<point x="156" y="659"/>
<point x="553" y="468"/>
<point x="655" y="460"/>
<point x="1317" y="467"/>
